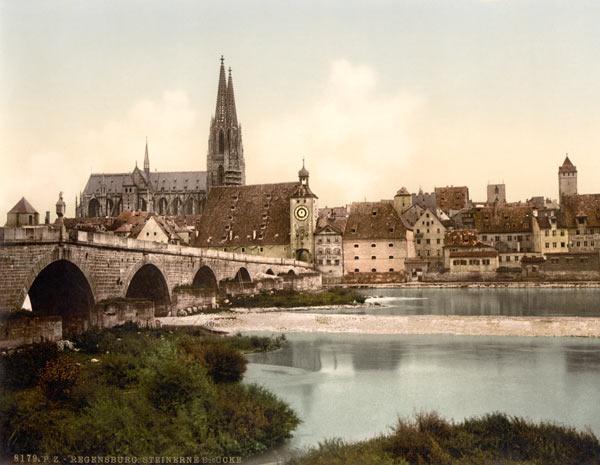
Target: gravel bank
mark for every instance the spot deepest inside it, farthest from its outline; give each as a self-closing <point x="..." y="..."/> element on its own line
<point x="284" y="322"/>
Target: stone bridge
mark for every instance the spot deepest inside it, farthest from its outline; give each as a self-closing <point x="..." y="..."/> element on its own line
<point x="81" y="273"/>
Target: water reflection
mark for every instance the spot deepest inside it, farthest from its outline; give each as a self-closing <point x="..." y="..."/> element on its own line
<point x="462" y="301"/>
<point x="355" y="386"/>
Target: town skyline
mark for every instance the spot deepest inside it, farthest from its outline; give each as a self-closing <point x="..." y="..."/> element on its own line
<point x="367" y="121"/>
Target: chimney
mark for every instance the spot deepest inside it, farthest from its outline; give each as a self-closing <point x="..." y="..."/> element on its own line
<point x="47" y="219"/>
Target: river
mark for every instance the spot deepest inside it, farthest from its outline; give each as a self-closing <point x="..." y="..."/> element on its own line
<point x="479" y="301"/>
<point x="355" y="386"/>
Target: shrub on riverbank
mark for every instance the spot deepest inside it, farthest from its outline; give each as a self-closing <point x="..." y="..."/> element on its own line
<point x="139" y="393"/>
<point x="288" y="299"/>
<point x="492" y="439"/>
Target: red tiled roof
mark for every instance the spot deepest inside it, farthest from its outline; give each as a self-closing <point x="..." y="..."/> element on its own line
<point x="374" y="220"/>
<point x="474" y="253"/>
<point x="567" y="167"/>
<point x="246" y="215"/>
<point x="583" y="206"/>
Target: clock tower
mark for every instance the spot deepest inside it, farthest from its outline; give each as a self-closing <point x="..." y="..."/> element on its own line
<point x="303" y="219"/>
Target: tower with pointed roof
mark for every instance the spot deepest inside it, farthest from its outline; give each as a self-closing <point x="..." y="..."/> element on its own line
<point x="225" y="164"/>
<point x="567" y="178"/>
<point x="303" y="219"/>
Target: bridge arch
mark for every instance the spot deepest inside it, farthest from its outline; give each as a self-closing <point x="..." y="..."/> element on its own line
<point x="149" y="283"/>
<point x="61" y="288"/>
<point x="243" y="276"/>
<point x="205" y="278"/>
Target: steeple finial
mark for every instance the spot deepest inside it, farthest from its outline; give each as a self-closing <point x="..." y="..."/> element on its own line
<point x="222" y="60"/>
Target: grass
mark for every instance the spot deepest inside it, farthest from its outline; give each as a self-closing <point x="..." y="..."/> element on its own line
<point x="139" y="392"/>
<point x="288" y="299"/>
<point x="494" y="439"/>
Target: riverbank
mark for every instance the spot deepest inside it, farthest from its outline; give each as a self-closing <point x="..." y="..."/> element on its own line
<point x="474" y="285"/>
<point x="431" y="440"/>
<point x="275" y="321"/>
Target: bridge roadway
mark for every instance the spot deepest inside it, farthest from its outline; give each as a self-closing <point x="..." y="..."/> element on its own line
<point x="73" y="272"/>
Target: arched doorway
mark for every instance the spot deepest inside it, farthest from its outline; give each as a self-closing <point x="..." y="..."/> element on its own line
<point x="63" y="290"/>
<point x="93" y="208"/>
<point x="303" y="255"/>
<point x="149" y="283"/>
<point x="242" y="276"/>
<point x="162" y="206"/>
<point x="205" y="279"/>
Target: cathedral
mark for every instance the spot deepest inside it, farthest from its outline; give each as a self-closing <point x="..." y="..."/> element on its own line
<point x="174" y="192"/>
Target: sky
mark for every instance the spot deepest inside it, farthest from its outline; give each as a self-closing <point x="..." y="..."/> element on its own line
<point x="374" y="95"/>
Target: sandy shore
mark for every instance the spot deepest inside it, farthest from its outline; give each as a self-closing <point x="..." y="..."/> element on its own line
<point x="286" y="321"/>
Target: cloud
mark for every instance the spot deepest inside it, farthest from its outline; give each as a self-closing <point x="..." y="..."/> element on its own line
<point x="355" y="137"/>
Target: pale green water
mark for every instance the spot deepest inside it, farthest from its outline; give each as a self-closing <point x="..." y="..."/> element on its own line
<point x="355" y="386"/>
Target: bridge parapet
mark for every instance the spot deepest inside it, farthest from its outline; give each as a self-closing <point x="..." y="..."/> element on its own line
<point x="47" y="234"/>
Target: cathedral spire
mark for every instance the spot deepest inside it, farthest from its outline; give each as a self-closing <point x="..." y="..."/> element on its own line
<point x="147" y="162"/>
<point x="231" y="111"/>
<point x="221" y="108"/>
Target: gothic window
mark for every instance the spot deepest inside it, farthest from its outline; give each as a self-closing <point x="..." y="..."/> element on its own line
<point x="162" y="206"/>
<point x="143" y="205"/>
<point x="221" y="142"/>
<point x="176" y="206"/>
<point x="189" y="207"/>
<point x="94" y="208"/>
<point x="220" y="175"/>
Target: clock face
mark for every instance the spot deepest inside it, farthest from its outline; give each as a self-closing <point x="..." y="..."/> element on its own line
<point x="301" y="213"/>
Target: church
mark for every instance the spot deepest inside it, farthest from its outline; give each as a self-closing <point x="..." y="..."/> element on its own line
<point x="174" y="193"/>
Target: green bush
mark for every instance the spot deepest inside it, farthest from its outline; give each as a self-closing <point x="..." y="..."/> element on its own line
<point x="22" y="369"/>
<point x="146" y="395"/>
<point x="224" y="364"/>
<point x="494" y="439"/>
<point x="58" y="378"/>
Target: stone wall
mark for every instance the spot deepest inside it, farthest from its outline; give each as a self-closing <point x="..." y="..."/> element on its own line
<point x="115" y="312"/>
<point x="193" y="298"/>
<point x="16" y="332"/>
<point x="375" y="278"/>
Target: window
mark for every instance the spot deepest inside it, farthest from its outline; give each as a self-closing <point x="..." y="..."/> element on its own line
<point x="391" y="270"/>
<point x="428" y="241"/>
<point x="373" y="270"/>
<point x="485" y="261"/>
<point x="483" y="238"/>
<point x="509" y="238"/>
<point x="356" y="270"/>
<point x="508" y="258"/>
<point x="321" y="261"/>
<point x="243" y="249"/>
<point x="497" y="238"/>
<point x="418" y="241"/>
<point x="562" y="245"/>
<point x="356" y="246"/>
<point x="390" y="245"/>
<point x="554" y="245"/>
<point x="328" y="240"/>
<point x="546" y="233"/>
<point x="355" y="257"/>
<point x="554" y="232"/>
<point x="373" y="257"/>
<point x="547" y="245"/>
<point x="336" y="261"/>
<point x="438" y="241"/>
<point x="373" y="245"/>
<point x="319" y="241"/>
<point x="455" y="262"/>
<point x="329" y="261"/>
<point x="391" y="257"/>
